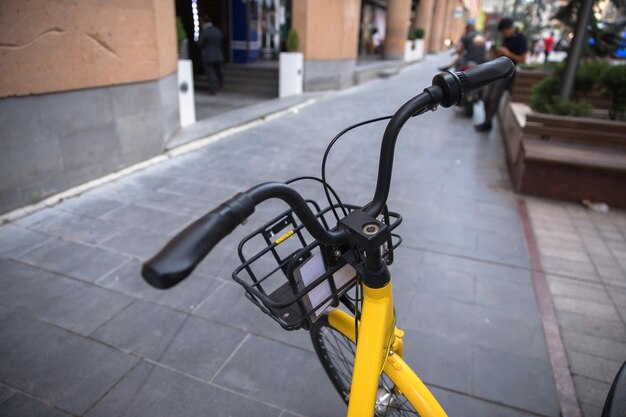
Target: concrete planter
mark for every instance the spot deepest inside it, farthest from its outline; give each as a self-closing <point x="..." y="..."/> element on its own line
<point x="409" y="51"/>
<point x="290" y="76"/>
<point x="186" y="100"/>
<point x="419" y="49"/>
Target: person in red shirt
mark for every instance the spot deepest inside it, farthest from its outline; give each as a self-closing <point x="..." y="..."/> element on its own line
<point x="548" y="44"/>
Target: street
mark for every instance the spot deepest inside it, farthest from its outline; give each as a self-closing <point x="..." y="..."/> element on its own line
<point x="83" y="334"/>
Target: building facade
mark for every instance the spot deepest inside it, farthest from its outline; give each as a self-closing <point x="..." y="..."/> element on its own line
<point x="89" y="87"/>
<point x="86" y="88"/>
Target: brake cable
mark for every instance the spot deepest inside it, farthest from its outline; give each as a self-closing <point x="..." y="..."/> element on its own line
<point x="328" y="148"/>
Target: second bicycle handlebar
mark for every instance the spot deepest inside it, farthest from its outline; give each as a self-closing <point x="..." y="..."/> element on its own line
<point x="184" y="252"/>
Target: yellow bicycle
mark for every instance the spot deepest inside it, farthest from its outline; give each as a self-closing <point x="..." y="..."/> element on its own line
<point x="306" y="260"/>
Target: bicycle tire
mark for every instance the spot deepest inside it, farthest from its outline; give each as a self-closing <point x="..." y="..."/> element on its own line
<point x="328" y="342"/>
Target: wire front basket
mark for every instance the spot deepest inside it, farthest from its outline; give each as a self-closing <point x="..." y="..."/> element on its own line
<point x="292" y="277"/>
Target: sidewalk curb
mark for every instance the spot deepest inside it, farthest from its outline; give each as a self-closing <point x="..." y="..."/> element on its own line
<point x="166" y="155"/>
<point x="566" y="393"/>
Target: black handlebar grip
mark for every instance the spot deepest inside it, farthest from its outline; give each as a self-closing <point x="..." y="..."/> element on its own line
<point x="455" y="85"/>
<point x="184" y="252"/>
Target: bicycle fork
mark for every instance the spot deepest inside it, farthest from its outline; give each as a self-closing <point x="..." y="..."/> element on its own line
<point x="379" y="349"/>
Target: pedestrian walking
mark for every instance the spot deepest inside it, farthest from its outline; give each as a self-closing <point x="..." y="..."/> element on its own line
<point x="515" y="47"/>
<point x="210" y="43"/>
<point x="548" y="44"/>
<point x="377" y="41"/>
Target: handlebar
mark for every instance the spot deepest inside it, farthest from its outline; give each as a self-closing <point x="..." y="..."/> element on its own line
<point x="456" y="85"/>
<point x="184" y="252"/>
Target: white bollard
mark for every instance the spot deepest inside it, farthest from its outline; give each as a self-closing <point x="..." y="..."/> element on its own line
<point x="290" y="74"/>
<point x="186" y="99"/>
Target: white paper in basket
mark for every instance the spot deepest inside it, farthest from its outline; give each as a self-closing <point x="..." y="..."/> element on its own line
<point x="313" y="269"/>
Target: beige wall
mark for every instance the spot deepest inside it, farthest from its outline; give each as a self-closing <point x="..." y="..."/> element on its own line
<point x="328" y="29"/>
<point x="58" y="45"/>
<point x="424" y="19"/>
<point x="397" y="30"/>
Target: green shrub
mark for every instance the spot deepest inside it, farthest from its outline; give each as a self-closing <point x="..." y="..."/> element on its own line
<point x="545" y="99"/>
<point x="588" y="74"/>
<point x="293" y="41"/>
<point x="419" y="33"/>
<point x="181" y="35"/>
<point x="614" y="81"/>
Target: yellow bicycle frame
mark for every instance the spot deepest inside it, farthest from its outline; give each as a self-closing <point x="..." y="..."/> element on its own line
<point x="378" y="351"/>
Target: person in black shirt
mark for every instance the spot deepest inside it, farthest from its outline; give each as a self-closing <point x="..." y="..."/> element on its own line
<point x="210" y="43"/>
<point x="514" y="46"/>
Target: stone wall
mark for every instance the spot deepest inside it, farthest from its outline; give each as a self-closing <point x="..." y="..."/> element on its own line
<point x="55" y="141"/>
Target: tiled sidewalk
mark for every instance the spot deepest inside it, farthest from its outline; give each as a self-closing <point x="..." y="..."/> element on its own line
<point x="584" y="256"/>
<point x="82" y="334"/>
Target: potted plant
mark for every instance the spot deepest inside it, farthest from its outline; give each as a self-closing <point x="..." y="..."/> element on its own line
<point x="409" y="48"/>
<point x="419" y="43"/>
<point x="291" y="65"/>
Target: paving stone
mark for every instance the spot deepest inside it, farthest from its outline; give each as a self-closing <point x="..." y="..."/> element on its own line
<point x="577" y="289"/>
<point x="152" y="391"/>
<point x="569" y="268"/>
<point x="89" y="205"/>
<point x="552" y="243"/>
<point x="592" y="326"/>
<point x="143" y="328"/>
<point x="478" y="326"/>
<point x="74" y="259"/>
<point x="593" y="367"/>
<point x="185" y="296"/>
<point x="228" y="305"/>
<point x="65" y="302"/>
<point x="140" y="243"/>
<point x="15" y="240"/>
<point x="516" y="381"/>
<point x="253" y="372"/>
<point x="479" y="268"/>
<point x="201" y="348"/>
<point x="215" y="193"/>
<point x="287" y="414"/>
<point x="508" y="297"/>
<point x="590" y="410"/>
<point x="57" y="366"/>
<point x="5" y="392"/>
<point x="439" y="361"/>
<point x="436" y="280"/>
<point x="20" y="405"/>
<point x="590" y="391"/>
<point x="612" y="275"/>
<point x="456" y="404"/>
<point x="599" y="310"/>
<point x="504" y="245"/>
<point x="142" y="217"/>
<point x="75" y="227"/>
<point x="597" y="346"/>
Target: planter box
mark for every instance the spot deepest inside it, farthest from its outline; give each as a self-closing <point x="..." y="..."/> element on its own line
<point x="564" y="157"/>
<point x="419" y="49"/>
<point x="413" y="50"/>
<point x="409" y="48"/>
<point x="525" y="81"/>
<point x="290" y="78"/>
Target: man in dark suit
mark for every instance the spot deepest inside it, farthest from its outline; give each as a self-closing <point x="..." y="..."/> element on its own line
<point x="210" y="42"/>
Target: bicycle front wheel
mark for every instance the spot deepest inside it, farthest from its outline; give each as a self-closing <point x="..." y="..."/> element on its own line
<point x="336" y="352"/>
